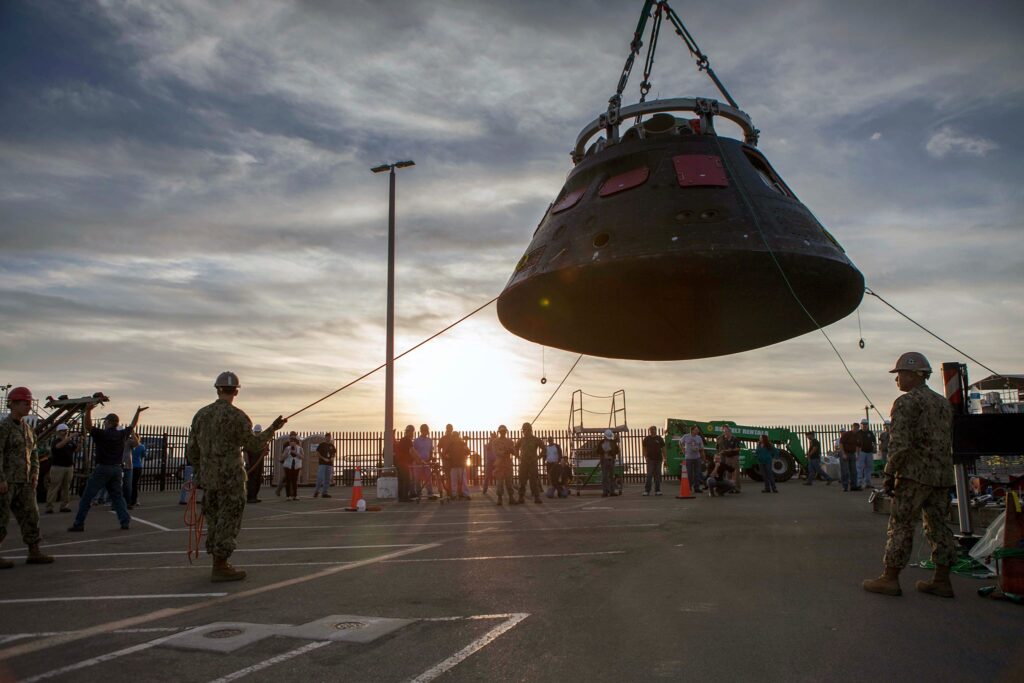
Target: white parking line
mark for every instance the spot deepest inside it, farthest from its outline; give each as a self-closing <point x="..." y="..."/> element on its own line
<point x="166" y="596"/>
<point x="505" y="557"/>
<point x="10" y="637"/>
<point x="238" y="550"/>
<point x="95" y="660"/>
<point x="308" y="647"/>
<point x="104" y="539"/>
<point x="474" y="647"/>
<point x="166" y="613"/>
<point x="204" y="566"/>
<point x="142" y="521"/>
<point x="478" y="558"/>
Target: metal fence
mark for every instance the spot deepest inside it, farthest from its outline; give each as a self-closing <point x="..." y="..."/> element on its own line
<point x="165" y="452"/>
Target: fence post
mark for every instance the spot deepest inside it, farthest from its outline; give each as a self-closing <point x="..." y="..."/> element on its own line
<point x="163" y="463"/>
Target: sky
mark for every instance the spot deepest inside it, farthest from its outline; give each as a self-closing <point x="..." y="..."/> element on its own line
<point x="185" y="189"/>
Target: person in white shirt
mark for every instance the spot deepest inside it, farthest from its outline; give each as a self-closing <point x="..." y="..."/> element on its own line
<point x="553" y="464"/>
<point x="291" y="462"/>
<point x="693" y="455"/>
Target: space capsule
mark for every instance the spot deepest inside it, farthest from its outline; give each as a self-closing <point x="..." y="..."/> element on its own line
<point x="672" y="242"/>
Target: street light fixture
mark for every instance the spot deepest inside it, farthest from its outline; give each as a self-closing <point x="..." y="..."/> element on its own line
<point x="389" y="375"/>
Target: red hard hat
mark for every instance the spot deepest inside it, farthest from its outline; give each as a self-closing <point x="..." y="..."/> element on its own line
<point x="19" y="394"/>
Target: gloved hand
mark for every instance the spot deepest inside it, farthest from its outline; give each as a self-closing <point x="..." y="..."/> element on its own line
<point x="889" y="485"/>
<point x="277" y="424"/>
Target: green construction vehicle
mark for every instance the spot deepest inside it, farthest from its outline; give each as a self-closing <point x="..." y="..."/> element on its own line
<point x="785" y="464"/>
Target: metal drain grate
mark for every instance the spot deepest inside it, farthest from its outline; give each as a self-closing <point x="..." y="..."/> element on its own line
<point x="224" y="633"/>
<point x="349" y="625"/>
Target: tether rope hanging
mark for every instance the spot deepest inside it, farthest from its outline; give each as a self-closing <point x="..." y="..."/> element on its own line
<point x="867" y="290"/>
<point x="789" y="285"/>
<point x="578" y="359"/>
<point x="403" y="353"/>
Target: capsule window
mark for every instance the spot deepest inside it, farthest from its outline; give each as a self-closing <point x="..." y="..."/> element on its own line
<point x="767" y="174"/>
<point x="568" y="201"/>
<point x="530" y="259"/>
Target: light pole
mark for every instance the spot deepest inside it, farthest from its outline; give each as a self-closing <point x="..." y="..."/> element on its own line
<point x="389" y="373"/>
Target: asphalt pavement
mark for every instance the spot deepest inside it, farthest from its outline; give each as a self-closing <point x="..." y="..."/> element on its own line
<point x="752" y="587"/>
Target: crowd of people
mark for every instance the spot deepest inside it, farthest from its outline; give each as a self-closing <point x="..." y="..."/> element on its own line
<point x="422" y="465"/>
<point x="917" y="476"/>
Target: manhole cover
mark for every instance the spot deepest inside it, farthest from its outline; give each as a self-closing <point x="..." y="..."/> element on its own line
<point x="224" y="633"/>
<point x="349" y="625"/>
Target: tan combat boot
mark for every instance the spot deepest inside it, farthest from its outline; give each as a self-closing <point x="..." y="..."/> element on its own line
<point x="223" y="571"/>
<point x="36" y="556"/>
<point x="939" y="584"/>
<point x="6" y="564"/>
<point x="886" y="584"/>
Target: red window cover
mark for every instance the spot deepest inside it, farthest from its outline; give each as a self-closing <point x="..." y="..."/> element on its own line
<point x="624" y="181"/>
<point x="700" y="170"/>
<point x="568" y="201"/>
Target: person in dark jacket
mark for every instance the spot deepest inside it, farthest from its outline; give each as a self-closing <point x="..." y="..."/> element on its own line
<point x="719" y="478"/>
<point x="404" y="455"/>
<point x="607" y="451"/>
<point x="765" y="453"/>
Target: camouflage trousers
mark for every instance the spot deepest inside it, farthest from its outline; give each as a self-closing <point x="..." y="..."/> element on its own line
<point x="223" y="511"/>
<point x="20" y="500"/>
<point x="912" y="501"/>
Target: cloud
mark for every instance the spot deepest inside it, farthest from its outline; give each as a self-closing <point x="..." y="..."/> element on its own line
<point x="876" y="136"/>
<point x="946" y="140"/>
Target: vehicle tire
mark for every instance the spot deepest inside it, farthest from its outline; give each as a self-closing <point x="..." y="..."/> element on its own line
<point x="754" y="473"/>
<point x="784" y="466"/>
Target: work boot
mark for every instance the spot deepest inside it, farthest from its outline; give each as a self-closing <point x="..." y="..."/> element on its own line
<point x="223" y="571"/>
<point x="886" y="584"/>
<point x="36" y="556"/>
<point x="6" y="564"/>
<point x="499" y="501"/>
<point x="939" y="584"/>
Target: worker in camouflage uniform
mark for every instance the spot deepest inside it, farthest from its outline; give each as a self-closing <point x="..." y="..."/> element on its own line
<point x="19" y="476"/>
<point x="219" y="433"/>
<point x="504" y="447"/>
<point x="529" y="448"/>
<point x="918" y="475"/>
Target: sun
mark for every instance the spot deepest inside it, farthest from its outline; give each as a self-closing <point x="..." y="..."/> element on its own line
<point x="467" y="379"/>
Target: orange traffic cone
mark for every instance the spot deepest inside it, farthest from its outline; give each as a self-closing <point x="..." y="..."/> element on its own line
<point x="357" y="492"/>
<point x="357" y="497"/>
<point x="684" y="484"/>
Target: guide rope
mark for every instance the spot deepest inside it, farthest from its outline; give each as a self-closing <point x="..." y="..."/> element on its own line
<point x="383" y="365"/>
<point x="578" y="359"/>
<point x="757" y="223"/>
<point x="868" y="290"/>
<point x="193" y="522"/>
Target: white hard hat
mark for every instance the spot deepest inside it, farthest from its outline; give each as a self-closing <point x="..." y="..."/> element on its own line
<point x="609" y="434"/>
<point x="62" y="427"/>
<point x="257" y="429"/>
<point x="864" y="421"/>
<point x="912" y="360"/>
